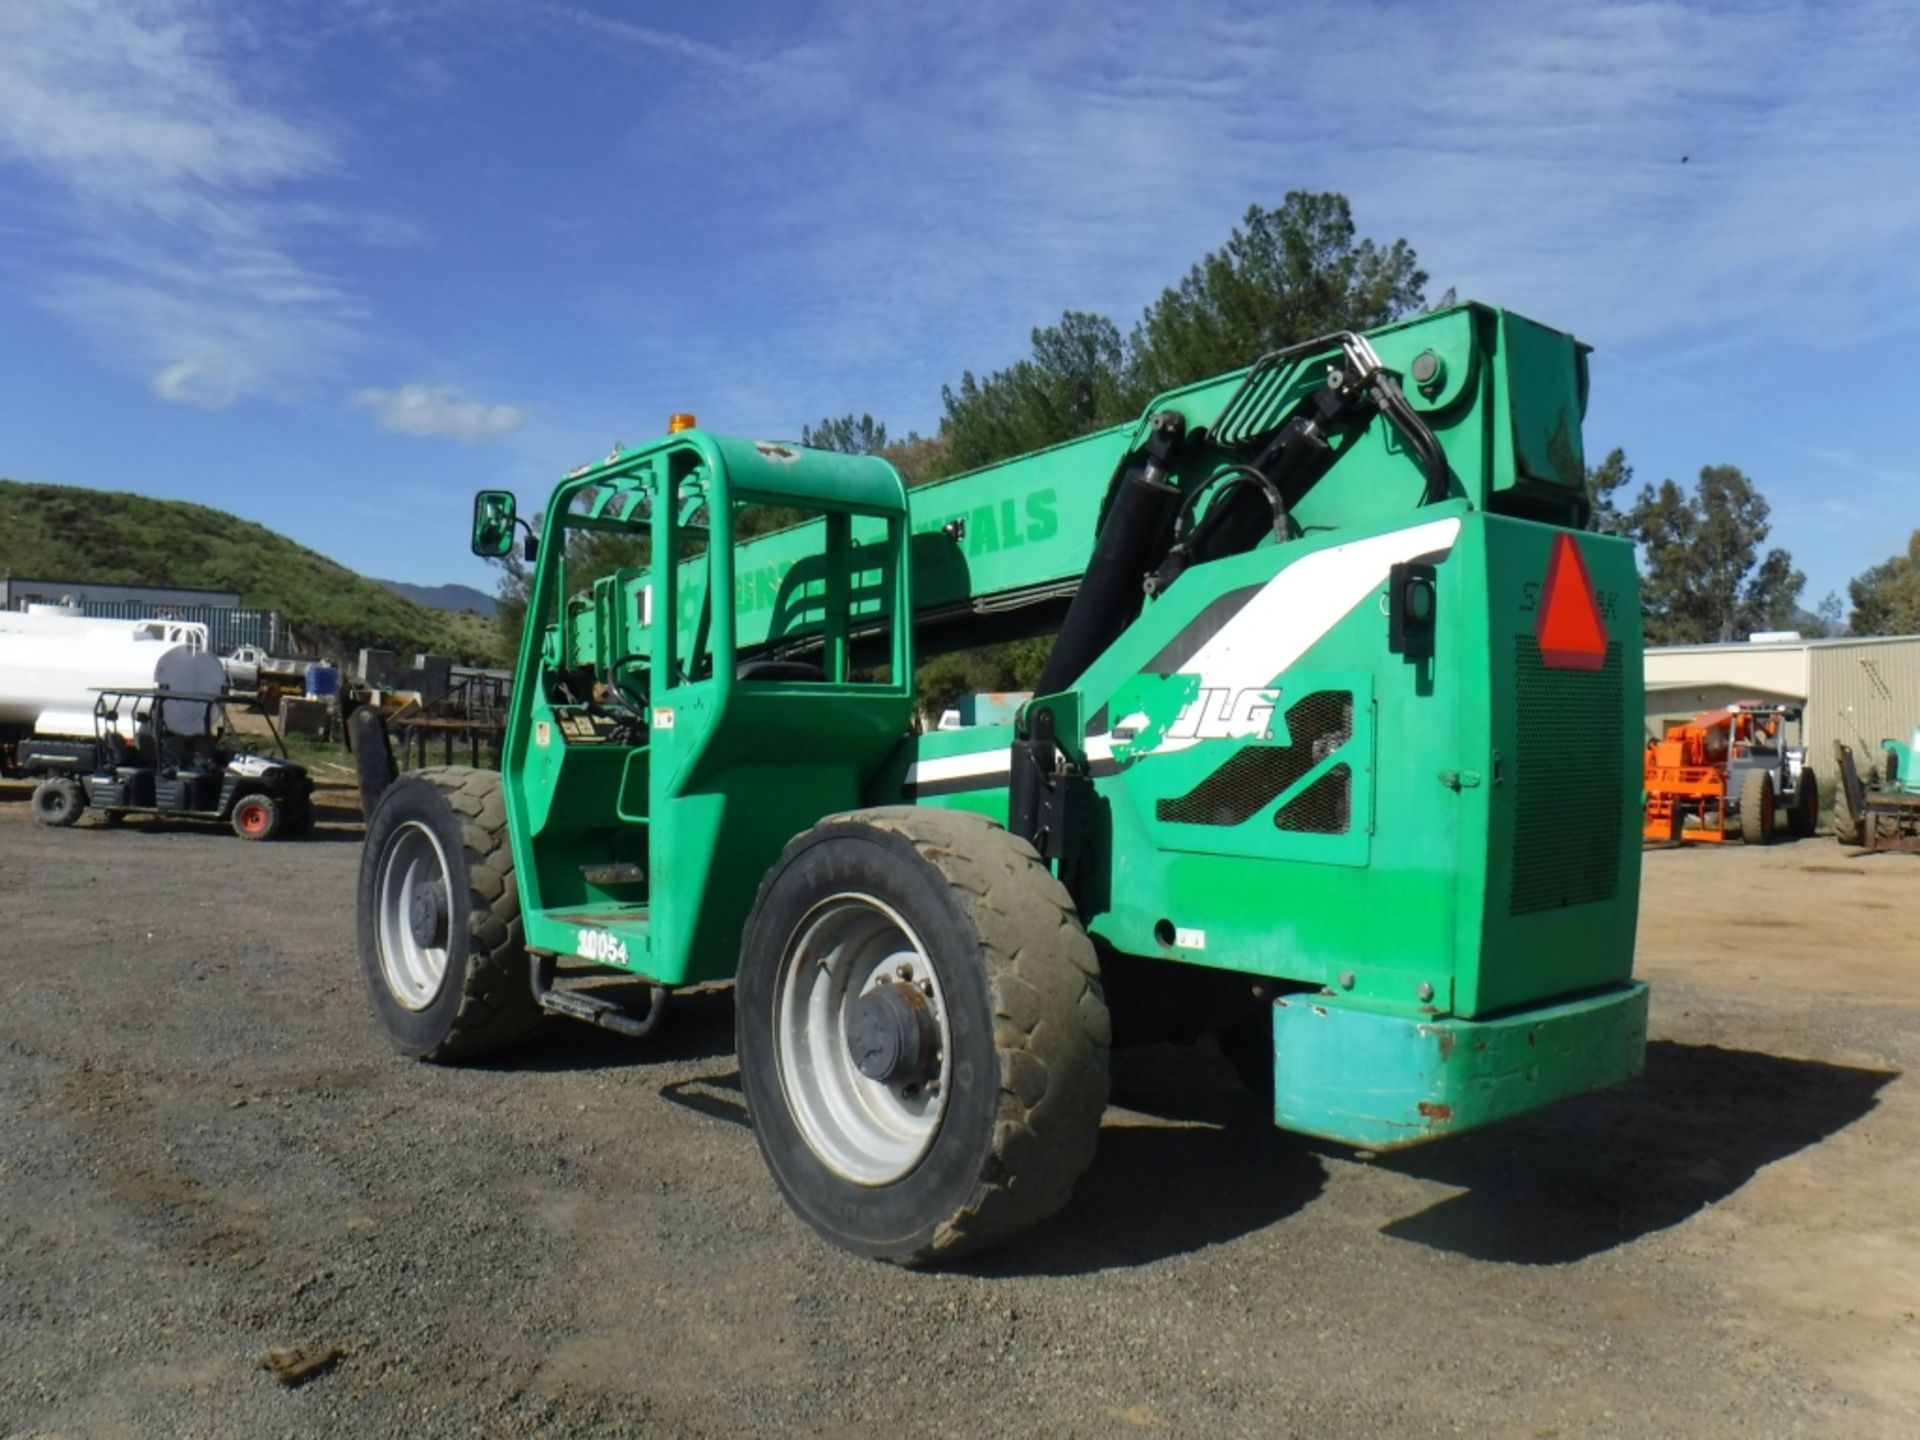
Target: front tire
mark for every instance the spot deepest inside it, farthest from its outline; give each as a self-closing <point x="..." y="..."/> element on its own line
<point x="439" y="918"/>
<point x="1756" y="808"/>
<point x="1248" y="1046"/>
<point x="58" y="802"/>
<point x="922" y="1034"/>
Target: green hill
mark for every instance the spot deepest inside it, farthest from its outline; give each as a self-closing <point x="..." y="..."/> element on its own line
<point x="64" y="532"/>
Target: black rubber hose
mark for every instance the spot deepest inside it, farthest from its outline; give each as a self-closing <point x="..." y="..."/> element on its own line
<point x="1241" y="475"/>
<point x="1110" y="593"/>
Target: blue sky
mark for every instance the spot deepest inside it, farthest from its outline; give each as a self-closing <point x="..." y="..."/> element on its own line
<point x="335" y="265"/>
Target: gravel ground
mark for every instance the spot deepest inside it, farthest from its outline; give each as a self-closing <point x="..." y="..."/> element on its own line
<point x="207" y="1153"/>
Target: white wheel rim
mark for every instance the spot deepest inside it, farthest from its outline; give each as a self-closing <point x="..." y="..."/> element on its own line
<point x="413" y="861"/>
<point x="871" y="1132"/>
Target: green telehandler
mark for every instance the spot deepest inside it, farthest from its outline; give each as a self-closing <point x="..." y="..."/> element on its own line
<point x="1336" y="755"/>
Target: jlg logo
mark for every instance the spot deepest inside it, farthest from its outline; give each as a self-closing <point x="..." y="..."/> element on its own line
<point x="1157" y="713"/>
<point x="1224" y="714"/>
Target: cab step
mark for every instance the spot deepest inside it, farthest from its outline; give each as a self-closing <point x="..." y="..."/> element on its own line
<point x="595" y="1009"/>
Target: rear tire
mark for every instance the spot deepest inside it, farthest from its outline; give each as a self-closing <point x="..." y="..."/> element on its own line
<point x="1013" y="1033"/>
<point x="1756" y="808"/>
<point x="1846" y="824"/>
<point x="1806" y="804"/>
<point x="1248" y="1046"/>
<point x="441" y="942"/>
<point x="58" y="802"/>
<point x="256" y="817"/>
<point x="300" y="820"/>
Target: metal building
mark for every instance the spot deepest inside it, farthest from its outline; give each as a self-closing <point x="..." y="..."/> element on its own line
<point x="1859" y="692"/>
<point x="228" y="625"/>
<point x="17" y="592"/>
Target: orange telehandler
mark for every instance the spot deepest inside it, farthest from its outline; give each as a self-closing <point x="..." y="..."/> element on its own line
<point x="1730" y="766"/>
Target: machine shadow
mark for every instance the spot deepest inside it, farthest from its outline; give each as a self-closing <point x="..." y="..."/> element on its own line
<point x="718" y="1097"/>
<point x="1601" y="1171"/>
<point x="1142" y="1199"/>
<point x="1196" y="1164"/>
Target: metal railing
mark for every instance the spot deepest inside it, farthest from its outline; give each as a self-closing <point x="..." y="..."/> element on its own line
<point x="469" y="721"/>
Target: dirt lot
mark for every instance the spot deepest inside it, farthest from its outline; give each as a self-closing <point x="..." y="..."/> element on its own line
<point x="207" y="1152"/>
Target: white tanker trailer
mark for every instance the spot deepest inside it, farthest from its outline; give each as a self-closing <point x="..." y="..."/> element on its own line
<point x="126" y="716"/>
<point x="53" y="668"/>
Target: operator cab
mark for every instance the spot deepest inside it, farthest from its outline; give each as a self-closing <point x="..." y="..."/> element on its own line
<point x="657" y="764"/>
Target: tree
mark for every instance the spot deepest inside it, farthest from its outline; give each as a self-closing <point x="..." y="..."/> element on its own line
<point x="1604" y="480"/>
<point x="1831" y="615"/>
<point x="510" y="611"/>
<point x="1825" y="620"/>
<point x="1886" y="599"/>
<point x="590" y="555"/>
<point x="865" y="436"/>
<point x="1074" y="382"/>
<point x="920" y="458"/>
<point x="1705" y="578"/>
<point x="940" y="681"/>
<point x="1284" y="275"/>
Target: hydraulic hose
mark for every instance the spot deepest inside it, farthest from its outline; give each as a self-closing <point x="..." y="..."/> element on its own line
<point x="1110" y="593"/>
<point x="1392" y="401"/>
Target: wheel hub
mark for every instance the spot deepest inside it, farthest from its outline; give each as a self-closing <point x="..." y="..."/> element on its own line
<point x="861" y="1039"/>
<point x="427" y="916"/>
<point x="892" y="1036"/>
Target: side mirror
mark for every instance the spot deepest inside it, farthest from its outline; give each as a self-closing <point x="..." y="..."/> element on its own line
<point x="493" y="521"/>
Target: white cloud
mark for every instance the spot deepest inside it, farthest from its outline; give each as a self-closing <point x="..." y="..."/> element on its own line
<point x="440" y="411"/>
<point x="167" y="232"/>
<point x="897" y="193"/>
<point x="212" y="383"/>
<point x="939" y="181"/>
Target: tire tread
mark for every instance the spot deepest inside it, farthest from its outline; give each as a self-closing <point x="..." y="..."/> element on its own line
<point x="496" y="1001"/>
<point x="1050" y="1016"/>
<point x="1754" y="829"/>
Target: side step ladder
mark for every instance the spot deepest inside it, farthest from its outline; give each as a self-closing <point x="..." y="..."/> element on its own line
<point x="594" y="1009"/>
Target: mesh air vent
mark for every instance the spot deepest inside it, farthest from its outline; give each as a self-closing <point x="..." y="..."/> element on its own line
<point x="1324" y="808"/>
<point x="1252" y="778"/>
<point x="1568" y="782"/>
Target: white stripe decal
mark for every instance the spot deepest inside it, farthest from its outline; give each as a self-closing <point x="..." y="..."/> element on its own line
<point x="979" y="765"/>
<point x="1295" y="610"/>
<point x="1290" y="615"/>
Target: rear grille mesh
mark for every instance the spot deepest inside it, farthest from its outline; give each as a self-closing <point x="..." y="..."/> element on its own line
<point x="1251" y="779"/>
<point x="1567" y="782"/>
<point x="1324" y="808"/>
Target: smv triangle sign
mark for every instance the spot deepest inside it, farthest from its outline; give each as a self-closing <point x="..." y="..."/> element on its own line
<point x="1568" y="627"/>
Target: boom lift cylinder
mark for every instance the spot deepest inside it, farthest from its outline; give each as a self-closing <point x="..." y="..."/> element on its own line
<point x="1110" y="595"/>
